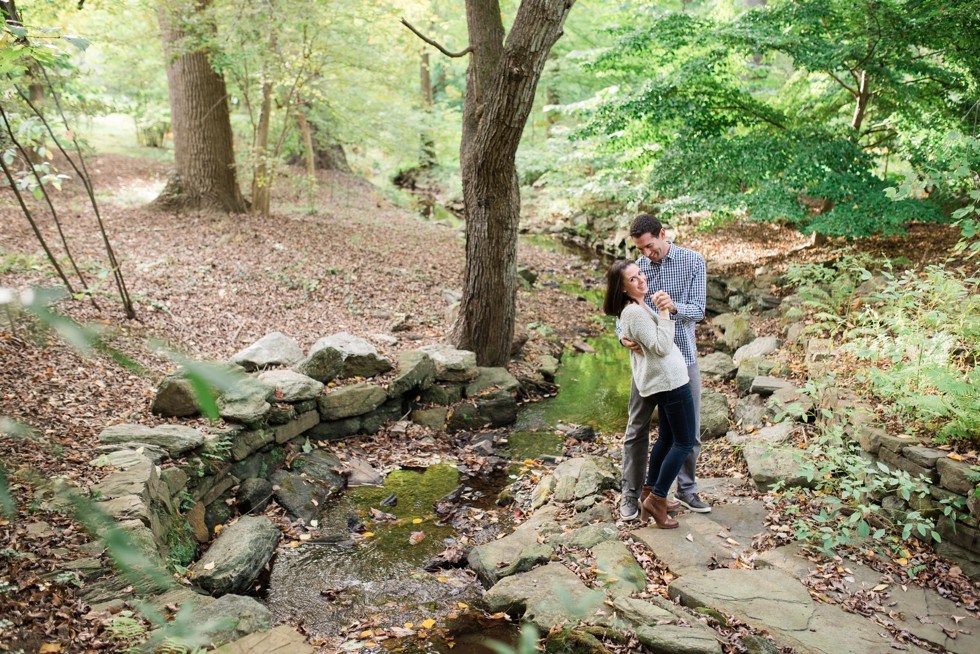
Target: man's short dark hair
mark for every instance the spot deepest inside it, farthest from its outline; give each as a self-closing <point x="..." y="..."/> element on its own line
<point x="646" y="223"/>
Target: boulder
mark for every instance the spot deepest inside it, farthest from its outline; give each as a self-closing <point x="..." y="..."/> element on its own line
<point x="237" y="556"/>
<point x="750" y="412"/>
<point x="617" y="570"/>
<point x="717" y="366"/>
<point x="714" y="414"/>
<point x="278" y="640"/>
<point x="354" y="400"/>
<point x="273" y="349"/>
<point x="229" y="618"/>
<point x="175" y="439"/>
<point x="492" y="378"/>
<point x="361" y="359"/>
<point x="770" y="464"/>
<point x="253" y="495"/>
<point x="547" y="365"/>
<point x="545" y="596"/>
<point x="174" y="398"/>
<point x="434" y="418"/>
<point x="442" y="394"/>
<point x="739" y="332"/>
<point x="765" y="385"/>
<point x="748" y="370"/>
<point x="758" y="348"/>
<point x="291" y="386"/>
<point x="323" y="364"/>
<point x="312" y="480"/>
<point x="452" y="365"/>
<point x="791" y="402"/>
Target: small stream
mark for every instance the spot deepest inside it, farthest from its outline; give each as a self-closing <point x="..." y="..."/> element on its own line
<point x="379" y="581"/>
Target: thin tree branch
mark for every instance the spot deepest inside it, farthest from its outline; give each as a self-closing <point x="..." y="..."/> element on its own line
<point x="853" y="92"/>
<point x="435" y="45"/>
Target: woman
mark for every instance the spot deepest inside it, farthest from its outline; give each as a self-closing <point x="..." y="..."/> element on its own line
<point x="660" y="376"/>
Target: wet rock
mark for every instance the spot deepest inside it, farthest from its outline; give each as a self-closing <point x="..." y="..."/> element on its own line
<point x="581" y="433"/>
<point x="313" y="479"/>
<point x="237" y="556"/>
<point x="291" y="386"/>
<point x="273" y="349"/>
<point x="175" y="439"/>
<point x="498" y="408"/>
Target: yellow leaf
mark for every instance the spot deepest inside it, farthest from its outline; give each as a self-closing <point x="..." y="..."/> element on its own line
<point x="428" y="623"/>
<point x="417" y="521"/>
<point x="462" y="605"/>
<point x="880" y="587"/>
<point x="954" y="456"/>
<point x="367" y="633"/>
<point x="294" y="543"/>
<point x="368" y="534"/>
<point x="443" y="579"/>
<point x="902" y="561"/>
<point x="409" y="625"/>
<point x="50" y="647"/>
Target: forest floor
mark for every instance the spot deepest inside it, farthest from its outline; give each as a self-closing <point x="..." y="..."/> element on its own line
<point x="349" y="259"/>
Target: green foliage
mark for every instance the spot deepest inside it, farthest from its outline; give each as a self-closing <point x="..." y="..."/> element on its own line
<point x="828" y="290"/>
<point x="181" y="543"/>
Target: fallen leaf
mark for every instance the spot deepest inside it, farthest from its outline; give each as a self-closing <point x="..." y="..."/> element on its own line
<point x="417" y="521"/>
<point x="416" y="537"/>
<point x="690" y="538"/>
<point x="368" y="534"/>
<point x="50" y="647"/>
<point x="209" y="565"/>
<point x="428" y="623"/>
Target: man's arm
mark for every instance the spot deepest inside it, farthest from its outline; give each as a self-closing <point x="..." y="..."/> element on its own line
<point x="693" y="310"/>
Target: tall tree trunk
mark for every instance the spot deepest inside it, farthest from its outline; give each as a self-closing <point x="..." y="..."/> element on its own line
<point x="204" y="158"/>
<point x="427" y="150"/>
<point x="261" y="177"/>
<point x="307" y="135"/>
<point x="501" y="81"/>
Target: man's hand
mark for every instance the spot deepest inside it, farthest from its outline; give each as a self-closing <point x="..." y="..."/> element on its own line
<point x="627" y="343"/>
<point x="663" y="302"/>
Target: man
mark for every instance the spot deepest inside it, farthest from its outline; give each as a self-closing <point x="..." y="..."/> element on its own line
<point x="676" y="280"/>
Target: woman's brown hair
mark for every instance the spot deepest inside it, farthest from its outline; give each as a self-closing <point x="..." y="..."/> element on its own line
<point x="616" y="297"/>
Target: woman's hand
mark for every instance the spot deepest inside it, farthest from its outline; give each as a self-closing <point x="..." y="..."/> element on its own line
<point x="664" y="303"/>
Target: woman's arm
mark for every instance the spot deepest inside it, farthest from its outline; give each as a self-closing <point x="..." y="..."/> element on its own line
<point x="655" y="334"/>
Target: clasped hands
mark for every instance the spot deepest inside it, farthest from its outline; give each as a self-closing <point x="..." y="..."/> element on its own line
<point x="664" y="304"/>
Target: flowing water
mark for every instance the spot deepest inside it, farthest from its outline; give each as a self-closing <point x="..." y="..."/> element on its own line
<point x="329" y="586"/>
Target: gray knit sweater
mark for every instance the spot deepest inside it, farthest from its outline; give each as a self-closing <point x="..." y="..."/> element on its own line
<point x="661" y="366"/>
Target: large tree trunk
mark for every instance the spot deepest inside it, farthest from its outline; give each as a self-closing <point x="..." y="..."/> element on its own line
<point x="500" y="84"/>
<point x="204" y="158"/>
<point x="862" y="97"/>
<point x="307" y="135"/>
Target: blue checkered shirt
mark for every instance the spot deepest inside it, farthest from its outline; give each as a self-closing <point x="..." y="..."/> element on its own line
<point x="682" y="274"/>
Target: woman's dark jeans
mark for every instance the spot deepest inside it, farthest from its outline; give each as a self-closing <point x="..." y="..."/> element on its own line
<point x="675" y="409"/>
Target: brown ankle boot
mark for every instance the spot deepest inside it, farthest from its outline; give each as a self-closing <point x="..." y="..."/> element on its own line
<point x="672" y="505"/>
<point x="656" y="507"/>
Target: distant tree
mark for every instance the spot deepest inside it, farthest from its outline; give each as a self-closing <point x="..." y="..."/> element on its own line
<point x="204" y="159"/>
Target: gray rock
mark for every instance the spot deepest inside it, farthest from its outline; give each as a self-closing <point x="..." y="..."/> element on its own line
<point x="770" y="464"/>
<point x="250" y="440"/>
<point x="587" y="537"/>
<point x="542" y="491"/>
<point x="278" y="640"/>
<point x="313" y="479"/>
<point x="758" y="348"/>
<point x="529" y="558"/>
<point x="749" y="370"/>
<point x="452" y="365"/>
<point x="434" y="418"/>
<point x="492" y="378"/>
<point x="776" y="602"/>
<point x="174" y="398"/>
<point x="361" y="359"/>
<point x="354" y="400"/>
<point x="750" y="412"/>
<point x="486" y="560"/>
<point x="498" y="408"/>
<point x="774" y="435"/>
<point x="253" y="495"/>
<point x="273" y="349"/>
<point x="714" y="415"/>
<point x="301" y="424"/>
<point x="335" y="430"/>
<point x="362" y="473"/>
<point x="583" y="476"/>
<point x="247" y="401"/>
<point x="618" y="571"/>
<point x="765" y="386"/>
<point x="416" y="372"/>
<point x="739" y="332"/>
<point x="547" y="365"/>
<point x="954" y="476"/>
<point x="677" y="639"/>
<point x="926" y="457"/>
<point x="139" y="477"/>
<point x="717" y="366"/>
<point x="229" y="618"/>
<point x="323" y="364"/>
<point x="546" y="595"/>
<point x="237" y="556"/>
<point x="442" y="394"/>
<point x="119" y="455"/>
<point x="791" y="402"/>
<point x="175" y="439"/>
<point x="291" y="386"/>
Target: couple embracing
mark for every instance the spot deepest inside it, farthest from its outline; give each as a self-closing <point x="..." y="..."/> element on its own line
<point x="657" y="300"/>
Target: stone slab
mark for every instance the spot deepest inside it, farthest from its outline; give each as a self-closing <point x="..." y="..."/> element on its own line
<point x="777" y="602"/>
<point x="278" y="640"/>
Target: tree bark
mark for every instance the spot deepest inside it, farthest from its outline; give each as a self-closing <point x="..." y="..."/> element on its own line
<point x="307" y="135"/>
<point x="862" y="98"/>
<point x="501" y="81"/>
<point x="261" y="178"/>
<point x="427" y="150"/>
<point x="204" y="158"/>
